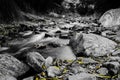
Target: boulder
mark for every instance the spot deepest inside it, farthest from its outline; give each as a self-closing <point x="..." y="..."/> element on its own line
<point x="11" y="66"/>
<point x="98" y="46"/>
<point x="35" y="60"/>
<point x="110" y="18"/>
<point x="92" y="44"/>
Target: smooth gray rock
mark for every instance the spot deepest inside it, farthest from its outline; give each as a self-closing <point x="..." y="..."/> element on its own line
<point x="93" y="44"/>
<point x="11" y="66"/>
<point x="98" y="46"/>
<point x="7" y="77"/>
<point x="53" y="71"/>
<point x="103" y="71"/>
<point x="48" y="61"/>
<point x="110" y="18"/>
<point x="77" y="69"/>
<point x="35" y="60"/>
<point x="88" y="61"/>
<point x="82" y="76"/>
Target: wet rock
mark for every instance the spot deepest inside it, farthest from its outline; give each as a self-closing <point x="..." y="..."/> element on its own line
<point x="26" y="33"/>
<point x="82" y="76"/>
<point x="59" y="53"/>
<point x="113" y="67"/>
<point x="3" y="49"/>
<point x="103" y="71"/>
<point x="35" y="60"/>
<point x="53" y="71"/>
<point x="11" y="66"/>
<point x="27" y="42"/>
<point x="7" y="77"/>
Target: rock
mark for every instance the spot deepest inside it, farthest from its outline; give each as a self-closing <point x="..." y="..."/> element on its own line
<point x="66" y="26"/>
<point x="88" y="61"/>
<point x="110" y="18"/>
<point x="114" y="58"/>
<point x="113" y="67"/>
<point x="3" y="49"/>
<point x="93" y="44"/>
<point x="26" y="33"/>
<point x="82" y="76"/>
<point x="117" y="52"/>
<point x="98" y="46"/>
<point x="117" y="37"/>
<point x="7" y="77"/>
<point x="35" y="60"/>
<point x="76" y="43"/>
<point x="59" y="53"/>
<point x="78" y="69"/>
<point x="53" y="71"/>
<point x="64" y="36"/>
<point x="103" y="71"/>
<point x="11" y="66"/>
<point x="48" y="61"/>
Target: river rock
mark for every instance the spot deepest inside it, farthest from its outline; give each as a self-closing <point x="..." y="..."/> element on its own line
<point x="103" y="71"/>
<point x="93" y="44"/>
<point x="97" y="45"/>
<point x="113" y="67"/>
<point x="35" y="60"/>
<point x="53" y="71"/>
<point x="82" y="76"/>
<point x="11" y="66"/>
<point x="110" y="18"/>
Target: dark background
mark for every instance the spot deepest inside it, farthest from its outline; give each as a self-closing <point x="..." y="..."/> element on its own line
<point x="9" y="9"/>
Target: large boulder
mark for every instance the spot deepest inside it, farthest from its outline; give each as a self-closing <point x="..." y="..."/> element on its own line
<point x="97" y="45"/>
<point x="110" y="18"/>
<point x="11" y="66"/>
<point x="93" y="44"/>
